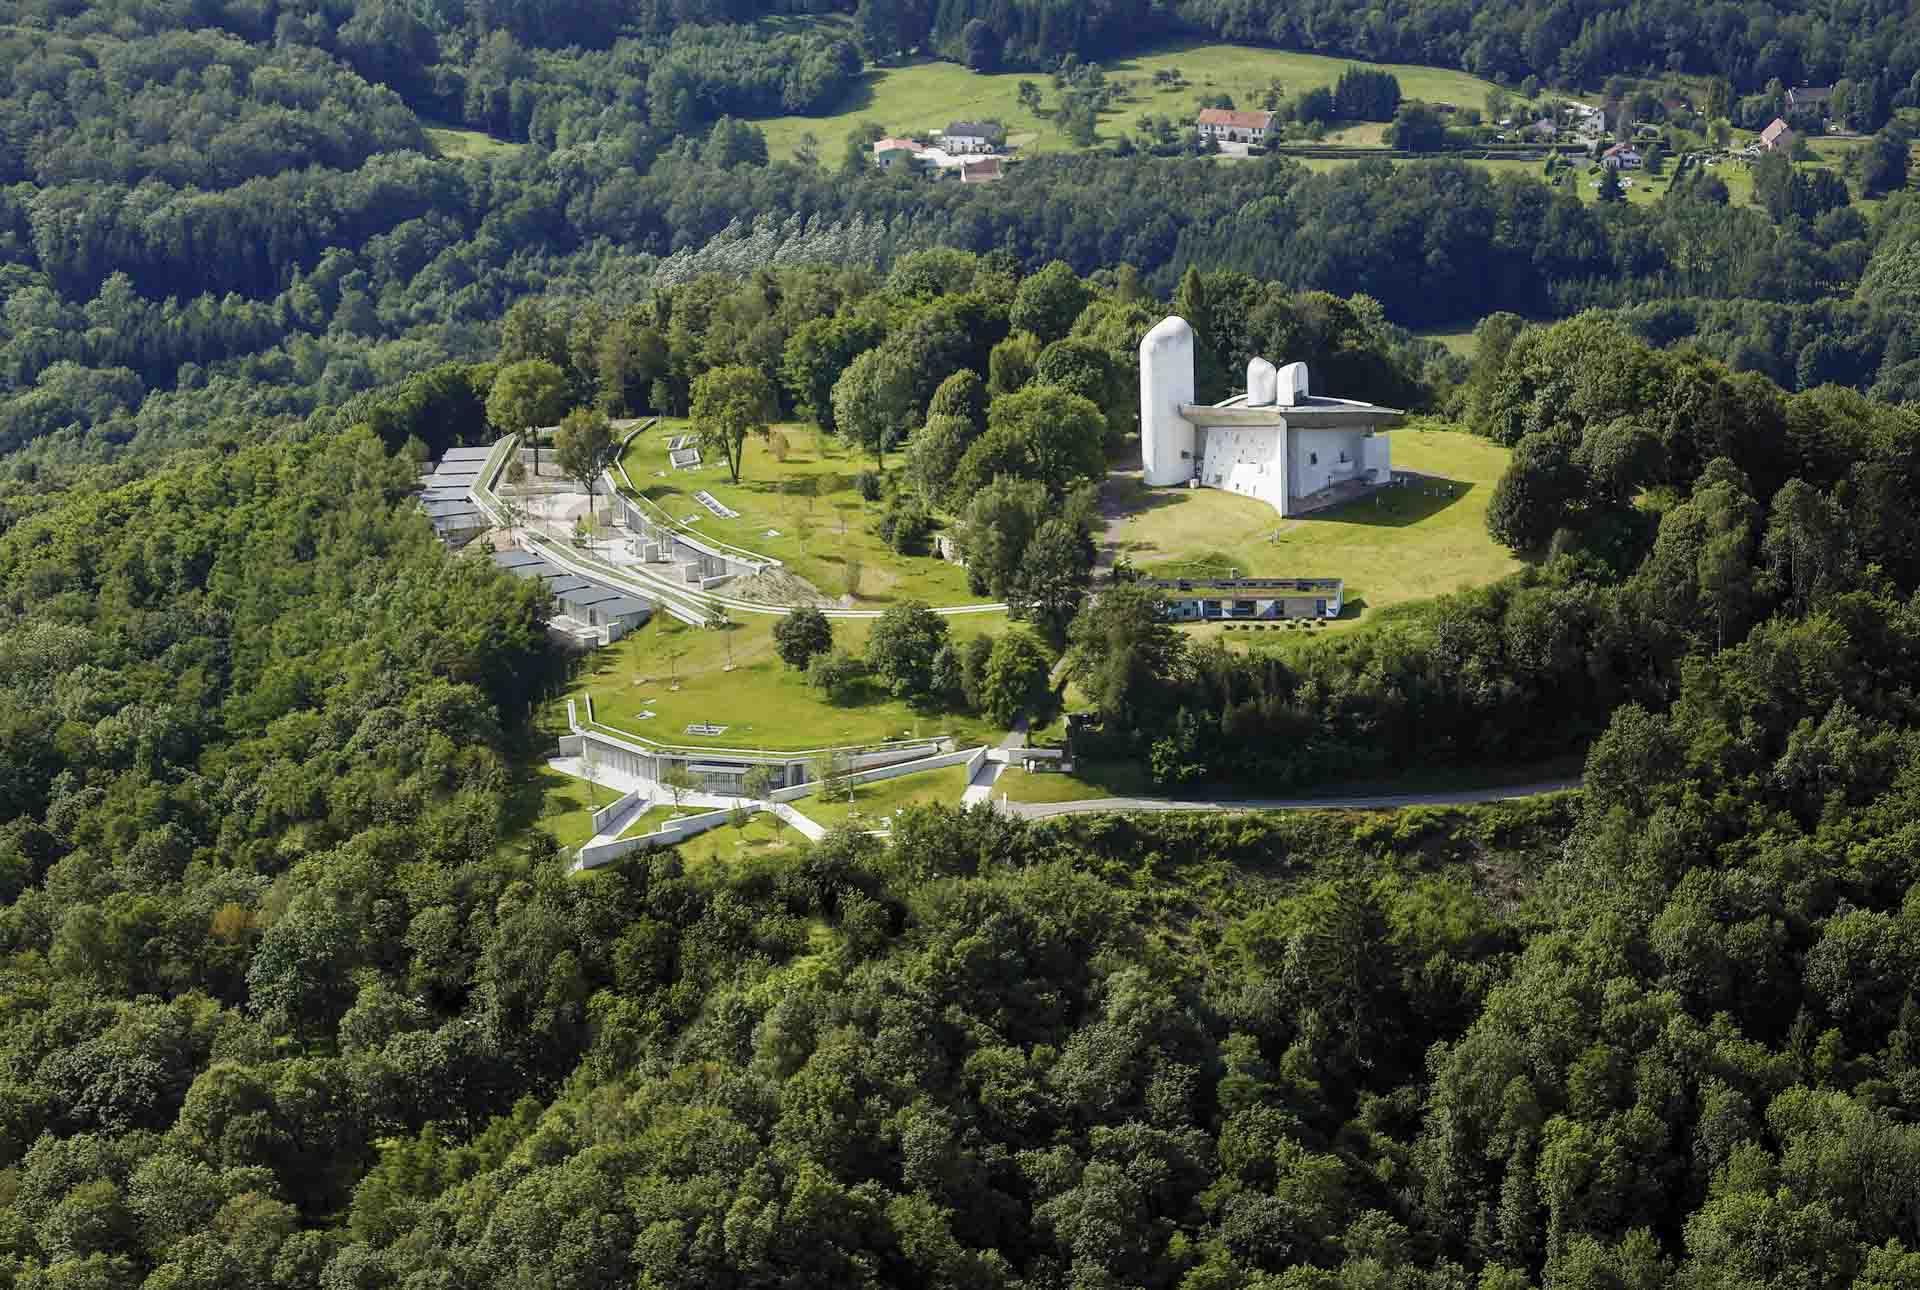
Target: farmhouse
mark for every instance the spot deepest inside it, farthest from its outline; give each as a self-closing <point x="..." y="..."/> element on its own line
<point x="971" y="136"/>
<point x="1810" y="98"/>
<point x="1226" y="125"/>
<point x="1292" y="449"/>
<point x="981" y="170"/>
<point x="888" y="153"/>
<point x="1778" y="135"/>
<point x="1621" y="156"/>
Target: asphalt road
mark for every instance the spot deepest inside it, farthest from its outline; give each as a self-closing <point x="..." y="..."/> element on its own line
<point x="1364" y="802"/>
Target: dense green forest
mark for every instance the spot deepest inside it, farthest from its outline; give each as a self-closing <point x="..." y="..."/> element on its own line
<point x="237" y="213"/>
<point x="294" y="997"/>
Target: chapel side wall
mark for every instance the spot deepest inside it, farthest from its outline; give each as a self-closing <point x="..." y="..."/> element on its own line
<point x="1306" y="475"/>
<point x="1166" y="384"/>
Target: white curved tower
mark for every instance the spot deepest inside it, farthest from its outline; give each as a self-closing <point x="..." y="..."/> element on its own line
<point x="1292" y="383"/>
<point x="1166" y="385"/>
<point x="1263" y="383"/>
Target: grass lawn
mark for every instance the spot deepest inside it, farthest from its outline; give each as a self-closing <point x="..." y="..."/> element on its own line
<point x="875" y="802"/>
<point x="1458" y="342"/>
<point x="559" y="805"/>
<point x="810" y="504"/>
<point x="655" y="817"/>
<point x="1089" y="780"/>
<point x="762" y="702"/>
<point x="468" y="145"/>
<point x="924" y="96"/>
<point x="761" y="834"/>
<point x="1396" y="546"/>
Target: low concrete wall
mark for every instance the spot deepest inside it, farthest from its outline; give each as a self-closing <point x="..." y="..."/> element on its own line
<point x="975" y="760"/>
<point x="592" y="857"/>
<point x="604" y="816"/>
<point x="877" y="773"/>
<point x="572" y="745"/>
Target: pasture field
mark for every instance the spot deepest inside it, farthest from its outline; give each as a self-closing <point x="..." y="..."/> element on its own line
<point x="923" y="96"/>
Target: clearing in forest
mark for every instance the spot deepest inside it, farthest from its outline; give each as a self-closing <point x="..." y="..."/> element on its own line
<point x="927" y="95"/>
<point x="1405" y="543"/>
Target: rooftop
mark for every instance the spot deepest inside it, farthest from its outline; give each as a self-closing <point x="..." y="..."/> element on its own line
<point x="973" y="129"/>
<point x="1239" y="120"/>
<point x="892" y="145"/>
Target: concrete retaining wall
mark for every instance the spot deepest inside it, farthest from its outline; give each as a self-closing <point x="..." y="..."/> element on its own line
<point x="894" y="771"/>
<point x="604" y="816"/>
<point x="592" y="857"/>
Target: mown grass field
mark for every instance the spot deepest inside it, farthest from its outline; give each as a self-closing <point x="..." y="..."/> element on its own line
<point x="818" y="521"/>
<point x="875" y="802"/>
<point x="1088" y="781"/>
<point x="1399" y="545"/>
<point x="762" y="702"/>
<point x="924" y="96"/>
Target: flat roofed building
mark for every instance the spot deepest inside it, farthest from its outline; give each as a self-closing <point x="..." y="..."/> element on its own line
<point x="1191" y="600"/>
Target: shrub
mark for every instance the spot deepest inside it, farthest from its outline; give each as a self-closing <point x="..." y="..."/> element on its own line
<point x="906" y="527"/>
<point x="838" y="675"/>
<point x="869" y="482"/>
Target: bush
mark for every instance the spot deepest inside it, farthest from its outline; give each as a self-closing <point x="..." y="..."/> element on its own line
<point x="906" y="527"/>
<point x="838" y="675"/>
<point x="869" y="483"/>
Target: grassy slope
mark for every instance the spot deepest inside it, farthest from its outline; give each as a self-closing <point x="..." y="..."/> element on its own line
<point x="468" y="145"/>
<point x="1407" y="546"/>
<point x="876" y="801"/>
<point x="762" y="702"/>
<point x="925" y="96"/>
<point x="811" y="539"/>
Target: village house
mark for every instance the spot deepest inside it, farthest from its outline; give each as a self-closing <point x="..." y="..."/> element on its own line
<point x="972" y="136"/>
<point x="1811" y="98"/>
<point x="1777" y="136"/>
<point x="1621" y="156"/>
<point x="1224" y="125"/>
<point x="982" y="170"/>
<point x="888" y="153"/>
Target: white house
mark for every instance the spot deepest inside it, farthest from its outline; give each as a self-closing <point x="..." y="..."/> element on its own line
<point x="971" y="136"/>
<point x="1228" y="126"/>
<point x="1279" y="442"/>
<point x="1622" y="156"/>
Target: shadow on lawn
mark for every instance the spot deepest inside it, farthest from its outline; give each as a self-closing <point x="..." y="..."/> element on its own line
<point x="1421" y="497"/>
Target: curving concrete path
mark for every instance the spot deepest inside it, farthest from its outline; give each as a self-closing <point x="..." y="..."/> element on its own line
<point x="1362" y="802"/>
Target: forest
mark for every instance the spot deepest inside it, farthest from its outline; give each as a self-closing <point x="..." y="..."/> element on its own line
<point x="295" y="997"/>
<point x="242" y="214"/>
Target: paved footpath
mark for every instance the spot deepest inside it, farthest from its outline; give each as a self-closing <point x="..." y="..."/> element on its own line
<point x="1363" y="802"/>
